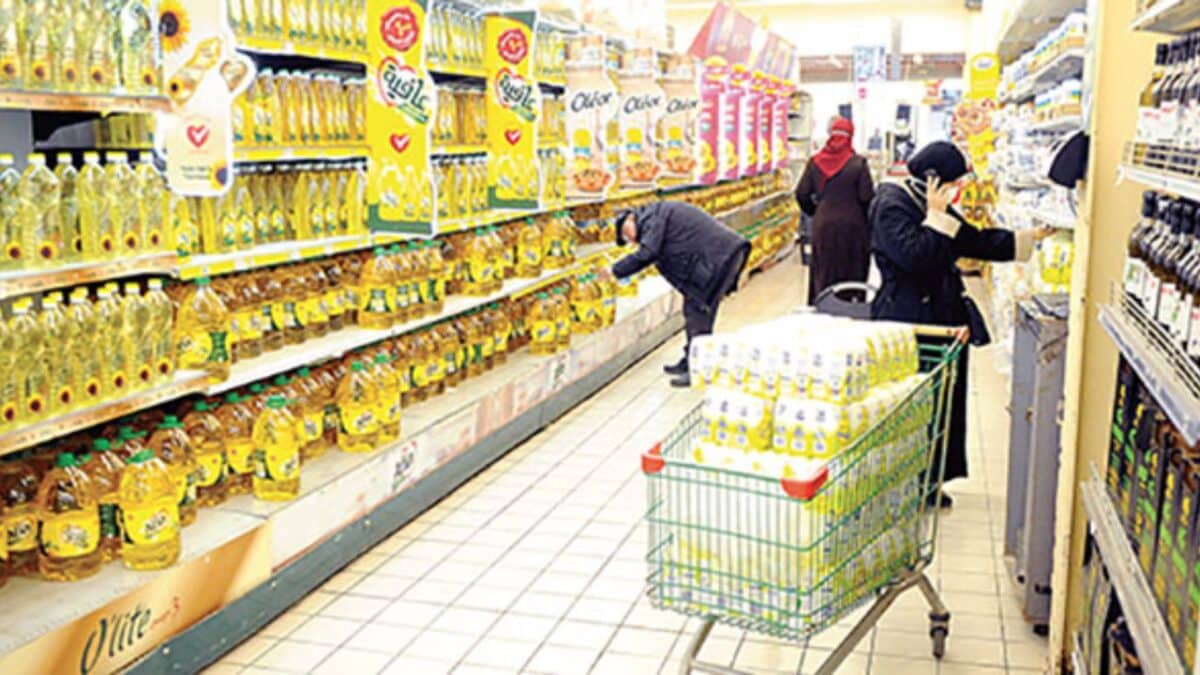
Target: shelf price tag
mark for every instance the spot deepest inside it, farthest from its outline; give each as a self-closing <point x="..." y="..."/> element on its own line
<point x="401" y="194"/>
<point x="513" y="105"/>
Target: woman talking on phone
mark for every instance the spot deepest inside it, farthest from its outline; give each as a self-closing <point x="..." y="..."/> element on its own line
<point x="917" y="237"/>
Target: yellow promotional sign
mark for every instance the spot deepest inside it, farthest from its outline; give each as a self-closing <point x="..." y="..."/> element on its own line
<point x="983" y="76"/>
<point x="114" y="636"/>
<point x="204" y="75"/>
<point x="400" y="110"/>
<point x="513" y="106"/>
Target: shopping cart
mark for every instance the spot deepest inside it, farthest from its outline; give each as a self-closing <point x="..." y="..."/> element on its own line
<point x="790" y="557"/>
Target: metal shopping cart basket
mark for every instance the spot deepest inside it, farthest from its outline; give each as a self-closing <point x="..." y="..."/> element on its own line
<point x="790" y="557"/>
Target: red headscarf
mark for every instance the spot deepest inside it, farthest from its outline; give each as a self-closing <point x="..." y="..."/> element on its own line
<point x="838" y="149"/>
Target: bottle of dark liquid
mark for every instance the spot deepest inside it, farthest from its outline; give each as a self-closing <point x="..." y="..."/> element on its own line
<point x="1161" y="135"/>
<point x="1189" y="107"/>
<point x="1187" y="280"/>
<point x="1159" y="237"/>
<point x="1147" y="112"/>
<point x="1135" y="265"/>
<point x="1170" y="307"/>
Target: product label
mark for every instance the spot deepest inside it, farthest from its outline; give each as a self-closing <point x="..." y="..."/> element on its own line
<point x="280" y="461"/>
<point x="218" y="351"/>
<point x="22" y="533"/>
<point x="333" y="303"/>
<point x="1168" y="121"/>
<point x="110" y="526"/>
<point x="210" y="468"/>
<point x="315" y="311"/>
<point x="402" y="296"/>
<point x="544" y="331"/>
<point x="378" y="301"/>
<point x="70" y="535"/>
<point x="240" y="455"/>
<point x="151" y="523"/>
<point x="1193" y="339"/>
<point x="185" y="486"/>
<point x="313" y="425"/>
<point x="358" y="419"/>
<point x="1133" y="277"/>
<point x="451" y="362"/>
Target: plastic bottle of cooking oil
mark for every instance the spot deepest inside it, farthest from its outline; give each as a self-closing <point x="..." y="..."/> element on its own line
<point x="18" y="491"/>
<point x="123" y="202"/>
<point x="85" y="361"/>
<point x="562" y="307"/>
<point x="479" y="265"/>
<point x="310" y="408"/>
<point x="276" y="453"/>
<point x="149" y="503"/>
<point x="138" y="47"/>
<point x="377" y="292"/>
<point x="152" y="192"/>
<point x="31" y="364"/>
<point x="225" y="290"/>
<point x="583" y="305"/>
<point x="183" y="234"/>
<point x="294" y="295"/>
<point x="9" y="379"/>
<point x="418" y="289"/>
<point x="528" y="264"/>
<point x="69" y="531"/>
<point x="358" y="407"/>
<point x="160" y="335"/>
<point x="204" y="429"/>
<point x="543" y="331"/>
<point x="388" y="381"/>
<point x="110" y="322"/>
<point x="68" y="207"/>
<point x="14" y="256"/>
<point x="129" y="442"/>
<point x="435" y="293"/>
<point x="270" y="293"/>
<point x="501" y="330"/>
<point x="202" y="324"/>
<point x="554" y="245"/>
<point x="446" y="346"/>
<point x="39" y="215"/>
<point x="402" y="273"/>
<point x="425" y="365"/>
<point x="56" y="330"/>
<point x="237" y="423"/>
<point x="171" y="444"/>
<point x="607" y="284"/>
<point x="95" y="219"/>
<point x="137" y="340"/>
<point x="105" y="472"/>
<point x="487" y="337"/>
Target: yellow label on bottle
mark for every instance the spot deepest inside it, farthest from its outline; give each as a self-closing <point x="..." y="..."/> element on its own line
<point x="333" y="303"/>
<point x="315" y="311"/>
<point x="3" y="548"/>
<point x="194" y="349"/>
<point x="313" y="425"/>
<point x="240" y="453"/>
<point x="544" y="331"/>
<point x="280" y="461"/>
<point x="488" y="348"/>
<point x="22" y="533"/>
<point x="358" y="419"/>
<point x="278" y="315"/>
<point x="562" y="328"/>
<point x="210" y="466"/>
<point x="249" y="324"/>
<point x="501" y="343"/>
<point x="152" y="523"/>
<point x="71" y="534"/>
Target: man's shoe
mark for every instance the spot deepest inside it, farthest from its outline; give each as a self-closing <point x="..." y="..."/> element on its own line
<point x="679" y="368"/>
<point x="681" y="381"/>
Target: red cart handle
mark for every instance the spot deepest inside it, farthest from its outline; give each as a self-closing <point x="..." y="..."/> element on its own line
<point x="652" y="461"/>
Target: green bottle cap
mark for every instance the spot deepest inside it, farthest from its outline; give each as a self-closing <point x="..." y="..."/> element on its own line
<point x="66" y="459"/>
<point x="140" y="457"/>
<point x="101" y="445"/>
<point x="202" y="406"/>
<point x="256" y="388"/>
<point x="203" y="281"/>
<point x="232" y="397"/>
<point x="276" y="402"/>
<point x="304" y="372"/>
<point x="84" y="458"/>
<point x="282" y="381"/>
<point x="357" y="367"/>
<point x="378" y="251"/>
<point x="170" y="422"/>
<point x="382" y="358"/>
<point x="125" y="433"/>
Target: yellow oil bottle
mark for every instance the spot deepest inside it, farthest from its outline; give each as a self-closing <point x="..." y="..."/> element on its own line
<point x="184" y="233"/>
<point x="123" y="202"/>
<point x="160" y="330"/>
<point x="317" y="309"/>
<point x="203" y="327"/>
<point x="14" y="255"/>
<point x="149" y="505"/>
<point x="501" y="332"/>
<point x="204" y="429"/>
<point x="110" y="322"/>
<point x="18" y="490"/>
<point x="151" y="203"/>
<point x="225" y="289"/>
<point x="277" y="445"/>
<point x="138" y="339"/>
<point x="403" y="275"/>
<point x="607" y="283"/>
<point x="528" y="264"/>
<point x="129" y="442"/>
<point x="86" y="366"/>
<point x="583" y="305"/>
<point x="358" y="409"/>
<point x="237" y="423"/>
<point x="69" y="523"/>
<point x="310" y="408"/>
<point x="39" y="214"/>
<point x="388" y="411"/>
<point x="294" y="296"/>
<point x="448" y="347"/>
<point x="435" y="293"/>
<point x="105" y="472"/>
<point x="562" y="319"/>
<point x="377" y="292"/>
<point x="270" y="292"/>
<point x="424" y="366"/>
<point x="335" y="306"/>
<point x="542" y="322"/>
<point x="57" y="331"/>
<point x="173" y="446"/>
<point x="479" y="265"/>
<point x="68" y="206"/>
<point x="9" y="379"/>
<point x="31" y="364"/>
<point x="417" y="281"/>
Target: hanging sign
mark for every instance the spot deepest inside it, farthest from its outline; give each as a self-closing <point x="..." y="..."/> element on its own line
<point x="677" y="142"/>
<point x="779" y="120"/>
<point x="983" y="76"/>
<point x="400" y="109"/>
<point x="764" y="148"/>
<point x="642" y="105"/>
<point x="730" y="159"/>
<point x="591" y="105"/>
<point x="204" y="75"/>
<point x="712" y="112"/>
<point x="870" y="67"/>
<point x="513" y="106"/>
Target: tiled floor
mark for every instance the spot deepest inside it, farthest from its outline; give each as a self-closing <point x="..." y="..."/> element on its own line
<point x="537" y="566"/>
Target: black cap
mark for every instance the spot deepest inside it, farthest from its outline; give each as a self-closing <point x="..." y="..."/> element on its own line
<point x="619" y="221"/>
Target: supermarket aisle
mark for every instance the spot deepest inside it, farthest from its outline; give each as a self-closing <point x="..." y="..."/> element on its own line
<point x="536" y="565"/>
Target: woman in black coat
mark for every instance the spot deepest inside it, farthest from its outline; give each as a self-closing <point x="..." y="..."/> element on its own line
<point x="695" y="253"/>
<point x="917" y="238"/>
<point x="835" y="190"/>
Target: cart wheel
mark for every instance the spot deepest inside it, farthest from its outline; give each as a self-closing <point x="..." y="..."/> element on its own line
<point x="938" y="635"/>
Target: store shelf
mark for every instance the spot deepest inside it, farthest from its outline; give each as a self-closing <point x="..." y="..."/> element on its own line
<point x="1162" y="366"/>
<point x="1169" y="16"/>
<point x="328" y="153"/>
<point x="458" y="150"/>
<point x="99" y="103"/>
<point x="286" y="48"/>
<point x="23" y="282"/>
<point x="266" y="255"/>
<point x="1181" y="185"/>
<point x="341" y="342"/>
<point x="553" y="82"/>
<point x="1029" y="21"/>
<point x="184" y="383"/>
<point x="1058" y="124"/>
<point x="447" y="70"/>
<point x="1154" y="646"/>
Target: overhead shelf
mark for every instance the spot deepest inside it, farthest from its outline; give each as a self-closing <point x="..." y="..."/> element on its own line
<point x="1162" y="366"/>
<point x="1066" y="65"/>
<point x="286" y="48"/>
<point x="1029" y="22"/>
<point x="1064" y="124"/>
<point x="75" y="102"/>
<point x="315" y="153"/>
<point x="1169" y="16"/>
<point x="1179" y="184"/>
<point x="24" y="282"/>
<point x="184" y="383"/>
<point x="1154" y="646"/>
<point x="266" y="255"/>
<point x="458" y="150"/>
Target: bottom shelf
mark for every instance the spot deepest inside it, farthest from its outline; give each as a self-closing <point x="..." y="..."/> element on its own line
<point x="1154" y="645"/>
<point x="246" y="561"/>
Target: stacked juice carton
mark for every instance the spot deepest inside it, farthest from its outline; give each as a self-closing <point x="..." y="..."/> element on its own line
<point x="781" y="399"/>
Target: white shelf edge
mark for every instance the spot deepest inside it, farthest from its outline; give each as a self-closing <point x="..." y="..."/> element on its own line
<point x="1154" y="645"/>
<point x="1180" y="185"/>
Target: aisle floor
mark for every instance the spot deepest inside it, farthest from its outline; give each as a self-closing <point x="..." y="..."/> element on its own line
<point x="536" y="565"/>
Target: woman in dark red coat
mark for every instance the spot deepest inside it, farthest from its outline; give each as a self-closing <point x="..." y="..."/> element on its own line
<point x="835" y="191"/>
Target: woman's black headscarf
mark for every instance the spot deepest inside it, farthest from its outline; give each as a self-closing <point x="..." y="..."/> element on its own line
<point x="940" y="158"/>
